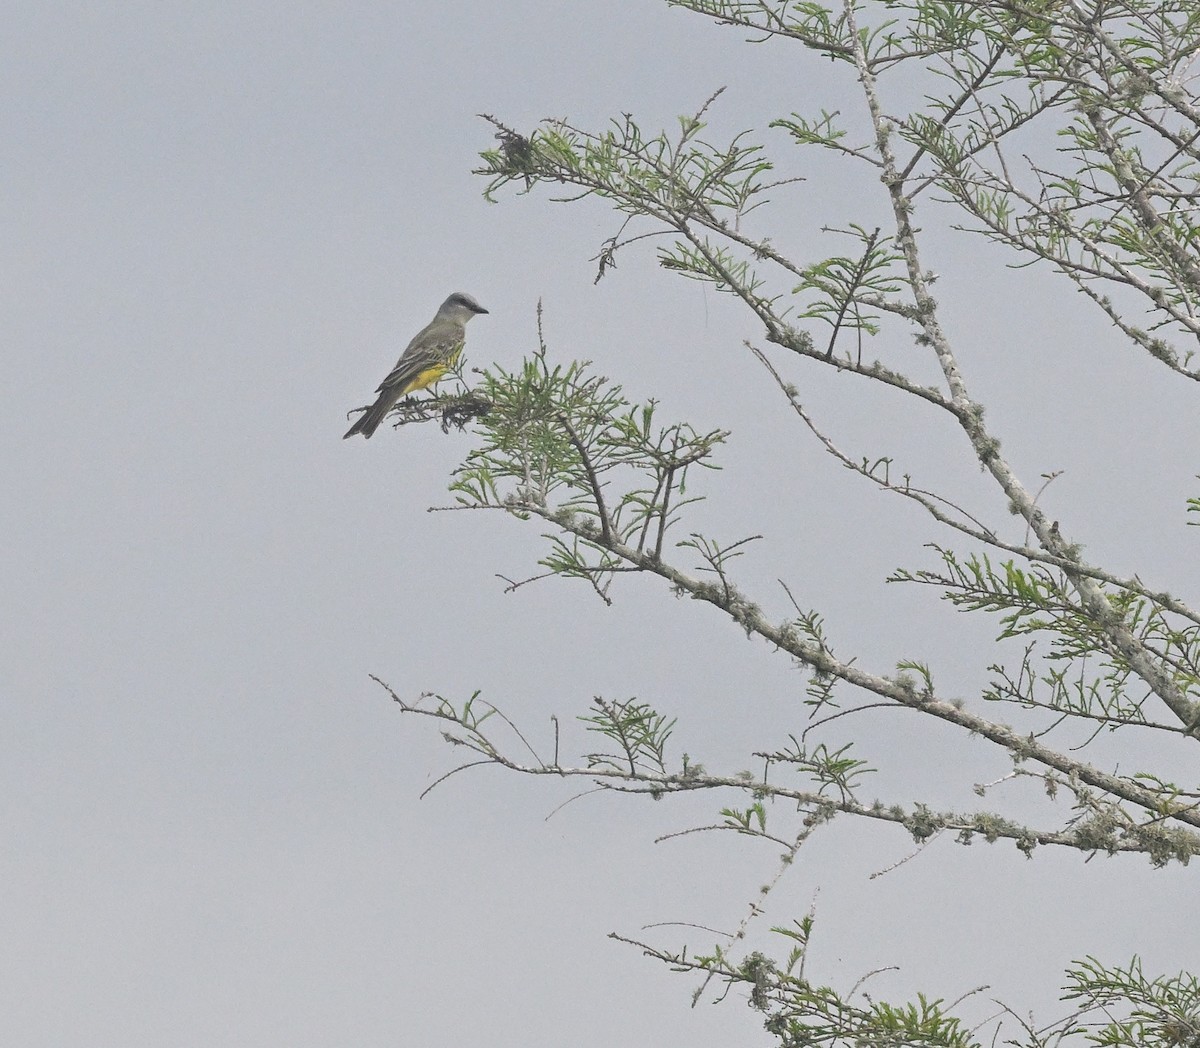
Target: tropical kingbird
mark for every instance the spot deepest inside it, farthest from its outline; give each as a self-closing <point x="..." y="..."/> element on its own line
<point x="433" y="352"/>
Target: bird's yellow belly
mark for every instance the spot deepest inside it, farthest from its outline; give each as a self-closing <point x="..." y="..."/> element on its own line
<point x="427" y="377"/>
<point x="433" y="373"/>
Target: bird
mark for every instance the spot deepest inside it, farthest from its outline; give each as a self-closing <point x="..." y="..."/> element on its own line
<point x="433" y="351"/>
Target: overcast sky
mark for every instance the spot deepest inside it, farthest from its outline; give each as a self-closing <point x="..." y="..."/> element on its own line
<point x="221" y="224"/>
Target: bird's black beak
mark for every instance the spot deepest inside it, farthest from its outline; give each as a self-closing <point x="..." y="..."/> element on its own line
<point x="479" y="309"/>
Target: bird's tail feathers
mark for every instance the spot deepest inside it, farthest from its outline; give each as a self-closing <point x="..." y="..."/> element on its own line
<point x="367" y="422"/>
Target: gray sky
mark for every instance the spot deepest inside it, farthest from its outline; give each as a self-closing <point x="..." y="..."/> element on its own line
<point x="222" y="223"/>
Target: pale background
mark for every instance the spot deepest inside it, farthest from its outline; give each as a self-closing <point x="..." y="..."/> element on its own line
<point x="221" y="223"/>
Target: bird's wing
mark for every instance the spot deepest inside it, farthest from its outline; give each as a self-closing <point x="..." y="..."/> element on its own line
<point x="436" y="344"/>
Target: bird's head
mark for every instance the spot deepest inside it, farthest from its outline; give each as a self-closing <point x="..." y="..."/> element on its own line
<point x="460" y="306"/>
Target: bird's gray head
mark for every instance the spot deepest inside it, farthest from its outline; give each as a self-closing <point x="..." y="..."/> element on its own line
<point x="460" y="306"/>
